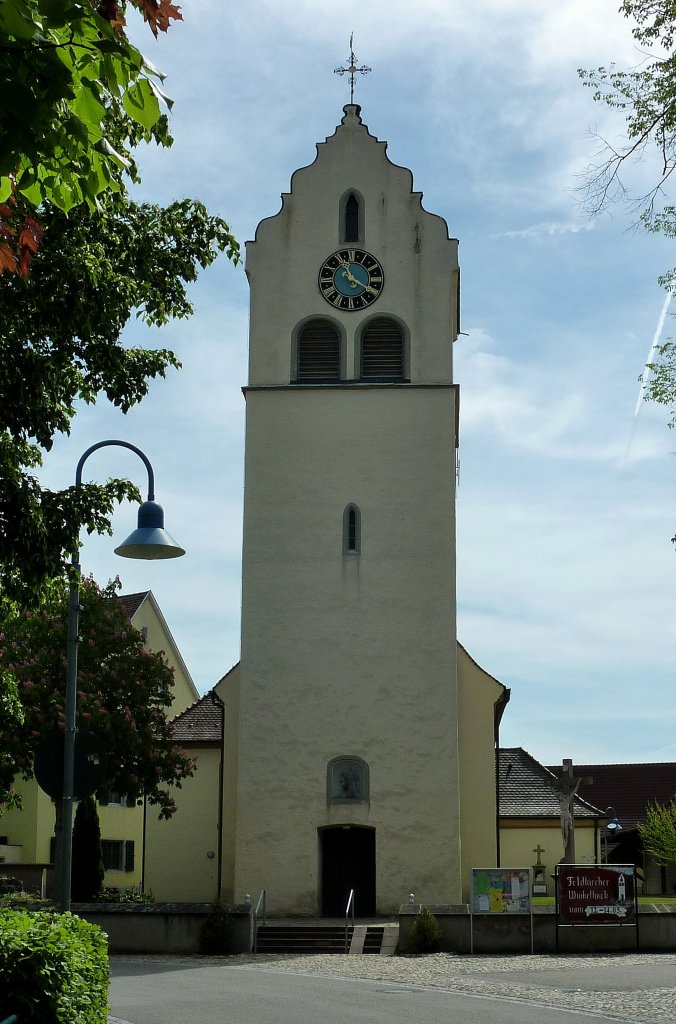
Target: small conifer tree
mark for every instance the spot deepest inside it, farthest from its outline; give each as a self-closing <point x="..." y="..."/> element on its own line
<point x="216" y="930"/>
<point x="426" y="935"/>
<point x="87" y="869"/>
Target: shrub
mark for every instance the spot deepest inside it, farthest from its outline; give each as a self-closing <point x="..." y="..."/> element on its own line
<point x="124" y="896"/>
<point x="87" y="871"/>
<point x="54" y="969"/>
<point x="426" y="935"/>
<point x="216" y="930"/>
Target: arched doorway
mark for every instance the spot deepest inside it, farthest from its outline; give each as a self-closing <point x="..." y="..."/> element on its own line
<point x="348" y="860"/>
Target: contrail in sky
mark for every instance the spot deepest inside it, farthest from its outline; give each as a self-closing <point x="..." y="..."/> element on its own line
<point x="651" y="354"/>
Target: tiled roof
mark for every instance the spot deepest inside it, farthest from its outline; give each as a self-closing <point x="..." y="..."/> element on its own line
<point x="202" y="722"/>
<point x="526" y="788"/>
<point x="629" y="788"/>
<point x="132" y="602"/>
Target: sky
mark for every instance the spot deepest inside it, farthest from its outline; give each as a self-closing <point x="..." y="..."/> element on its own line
<point x="567" y="499"/>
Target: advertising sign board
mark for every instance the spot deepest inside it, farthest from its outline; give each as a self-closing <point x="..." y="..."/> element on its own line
<point x="596" y="894"/>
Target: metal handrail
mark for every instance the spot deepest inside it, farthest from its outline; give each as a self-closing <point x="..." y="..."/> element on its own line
<point x="349" y="911"/>
<point x="261" y="902"/>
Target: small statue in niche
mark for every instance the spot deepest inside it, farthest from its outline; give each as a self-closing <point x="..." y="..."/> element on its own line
<point x="349" y="783"/>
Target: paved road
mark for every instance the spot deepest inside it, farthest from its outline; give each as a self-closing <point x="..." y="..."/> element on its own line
<point x="640" y="988"/>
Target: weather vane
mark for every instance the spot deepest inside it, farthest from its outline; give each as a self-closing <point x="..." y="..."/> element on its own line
<point x="352" y="70"/>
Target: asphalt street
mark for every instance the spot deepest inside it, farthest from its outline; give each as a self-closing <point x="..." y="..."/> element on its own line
<point x="330" y="990"/>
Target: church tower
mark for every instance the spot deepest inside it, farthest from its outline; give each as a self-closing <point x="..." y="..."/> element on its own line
<point x="342" y="750"/>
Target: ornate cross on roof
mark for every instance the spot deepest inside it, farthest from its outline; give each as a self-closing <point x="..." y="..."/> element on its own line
<point x="352" y="69"/>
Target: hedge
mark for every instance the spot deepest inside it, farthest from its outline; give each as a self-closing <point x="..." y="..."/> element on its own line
<point x="53" y="969"/>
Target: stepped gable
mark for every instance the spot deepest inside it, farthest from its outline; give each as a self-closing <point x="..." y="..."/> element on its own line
<point x="629" y="788"/>
<point x="202" y="722"/>
<point x="526" y="788"/>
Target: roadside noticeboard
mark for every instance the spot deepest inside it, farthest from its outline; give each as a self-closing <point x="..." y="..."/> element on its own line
<point x="596" y="894"/>
<point x="495" y="891"/>
<point x="501" y="890"/>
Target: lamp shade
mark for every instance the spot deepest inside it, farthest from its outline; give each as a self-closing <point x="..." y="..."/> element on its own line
<point x="150" y="539"/>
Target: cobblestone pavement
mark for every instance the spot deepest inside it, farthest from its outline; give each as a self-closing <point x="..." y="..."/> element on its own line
<point x="485" y="976"/>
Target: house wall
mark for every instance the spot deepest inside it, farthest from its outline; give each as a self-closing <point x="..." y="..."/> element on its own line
<point x="148" y="617"/>
<point x="520" y="839"/>
<point x="477" y="695"/>
<point x="181" y="855"/>
<point x="32" y="827"/>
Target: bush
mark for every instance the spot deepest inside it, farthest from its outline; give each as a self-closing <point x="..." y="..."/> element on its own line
<point x="124" y="896"/>
<point x="216" y="930"/>
<point x="426" y="935"/>
<point x="54" y="969"/>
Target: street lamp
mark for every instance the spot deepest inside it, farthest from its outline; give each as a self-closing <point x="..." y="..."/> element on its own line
<point x="149" y="540"/>
<point x="611" y="827"/>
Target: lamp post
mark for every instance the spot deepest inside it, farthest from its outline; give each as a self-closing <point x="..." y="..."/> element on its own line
<point x="610" y="828"/>
<point x="150" y="540"/>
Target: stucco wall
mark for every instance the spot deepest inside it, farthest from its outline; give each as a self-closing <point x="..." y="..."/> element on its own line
<point x="348" y="655"/>
<point x="181" y="861"/>
<point x="519" y="840"/>
<point x="477" y="696"/>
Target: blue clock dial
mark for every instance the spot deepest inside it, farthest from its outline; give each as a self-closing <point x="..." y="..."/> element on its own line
<point x="351" y="279"/>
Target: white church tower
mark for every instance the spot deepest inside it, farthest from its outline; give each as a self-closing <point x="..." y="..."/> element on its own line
<point x="342" y="767"/>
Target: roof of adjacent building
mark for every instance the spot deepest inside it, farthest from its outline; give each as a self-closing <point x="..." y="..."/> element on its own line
<point x="527" y="788"/>
<point x="132" y="602"/>
<point x="202" y="722"/>
<point x="628" y="788"/>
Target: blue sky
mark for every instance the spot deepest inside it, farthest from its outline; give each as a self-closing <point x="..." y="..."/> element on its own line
<point x="566" y="501"/>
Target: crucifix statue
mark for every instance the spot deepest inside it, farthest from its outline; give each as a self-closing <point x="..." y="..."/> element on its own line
<point x="565" y="788"/>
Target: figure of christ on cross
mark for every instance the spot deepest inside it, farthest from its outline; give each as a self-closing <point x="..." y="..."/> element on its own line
<point x="565" y="788"/>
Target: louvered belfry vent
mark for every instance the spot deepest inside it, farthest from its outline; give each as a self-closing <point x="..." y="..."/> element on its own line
<point x="318" y="352"/>
<point x="382" y="351"/>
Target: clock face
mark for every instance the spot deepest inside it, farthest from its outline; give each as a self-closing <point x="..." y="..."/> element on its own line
<point x="351" y="279"/>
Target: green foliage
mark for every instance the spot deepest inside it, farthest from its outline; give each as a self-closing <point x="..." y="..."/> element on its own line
<point x="11" y="719"/>
<point x="124" y="691"/>
<point x="647" y="97"/>
<point x="54" y="969"/>
<point x="124" y="896"/>
<point x="426" y="935"/>
<point x="64" y="69"/>
<point x="60" y="344"/>
<point x="658" y="832"/>
<point x="87" y="867"/>
<point x="216" y="930"/>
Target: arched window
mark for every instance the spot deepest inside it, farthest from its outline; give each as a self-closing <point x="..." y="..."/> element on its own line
<point x="382" y="350"/>
<point x="351" y="530"/>
<point x="352" y="219"/>
<point x="318" y="353"/>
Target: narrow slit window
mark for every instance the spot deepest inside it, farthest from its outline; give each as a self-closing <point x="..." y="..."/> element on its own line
<point x="351" y="530"/>
<point x="352" y="219"/>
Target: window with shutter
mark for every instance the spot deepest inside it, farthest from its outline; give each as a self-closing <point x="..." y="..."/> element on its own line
<point x="382" y="351"/>
<point x="318" y="353"/>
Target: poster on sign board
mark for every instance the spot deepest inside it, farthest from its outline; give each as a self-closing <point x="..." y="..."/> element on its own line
<point x="500" y="891"/>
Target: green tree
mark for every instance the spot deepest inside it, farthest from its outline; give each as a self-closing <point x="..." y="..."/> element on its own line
<point x="124" y="692"/>
<point x="63" y="68"/>
<point x="658" y="832"/>
<point x="647" y="97"/>
<point x="68" y="76"/>
<point x="60" y="343"/>
<point x="87" y="873"/>
<point x="11" y="719"/>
